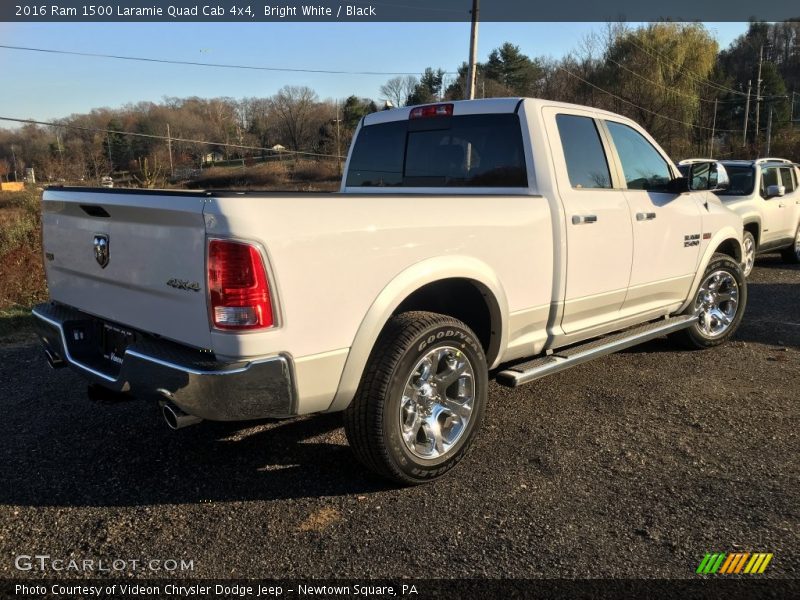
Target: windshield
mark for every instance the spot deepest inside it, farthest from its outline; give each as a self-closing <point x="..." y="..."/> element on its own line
<point x="742" y="180"/>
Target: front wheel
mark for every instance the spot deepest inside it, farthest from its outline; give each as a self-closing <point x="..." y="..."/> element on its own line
<point x="749" y="254"/>
<point x="421" y="399"/>
<point x="719" y="304"/>
<point x="792" y="253"/>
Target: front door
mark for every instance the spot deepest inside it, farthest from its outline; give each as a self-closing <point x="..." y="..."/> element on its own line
<point x="666" y="226"/>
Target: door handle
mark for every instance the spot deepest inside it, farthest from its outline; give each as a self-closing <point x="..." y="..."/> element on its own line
<point x="578" y="219"/>
<point x="645" y="216"/>
<point x="781" y="206"/>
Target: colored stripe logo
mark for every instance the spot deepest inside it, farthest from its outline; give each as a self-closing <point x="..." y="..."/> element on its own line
<point x="733" y="563"/>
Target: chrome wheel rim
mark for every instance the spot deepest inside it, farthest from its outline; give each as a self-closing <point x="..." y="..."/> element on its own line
<point x="749" y="255"/>
<point x="437" y="403"/>
<point x="717" y="303"/>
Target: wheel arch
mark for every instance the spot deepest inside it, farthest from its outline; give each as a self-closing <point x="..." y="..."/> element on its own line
<point x="443" y="284"/>
<point x="753" y="225"/>
<point x="726" y="241"/>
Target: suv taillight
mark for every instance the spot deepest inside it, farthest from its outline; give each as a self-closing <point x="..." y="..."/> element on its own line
<point x="238" y="286"/>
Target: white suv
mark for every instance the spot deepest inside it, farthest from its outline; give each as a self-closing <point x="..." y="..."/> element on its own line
<point x="765" y="193"/>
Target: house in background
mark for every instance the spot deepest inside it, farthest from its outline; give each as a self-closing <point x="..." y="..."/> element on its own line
<point x="212" y="157"/>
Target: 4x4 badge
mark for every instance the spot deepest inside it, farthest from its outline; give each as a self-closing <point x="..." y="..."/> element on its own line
<point x="101" y="249"/>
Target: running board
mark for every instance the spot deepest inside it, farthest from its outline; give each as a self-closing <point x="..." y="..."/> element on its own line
<point x="569" y="357"/>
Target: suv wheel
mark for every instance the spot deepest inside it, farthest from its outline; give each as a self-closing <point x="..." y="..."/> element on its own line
<point x="749" y="254"/>
<point x="792" y="253"/>
<point x="421" y="399"/>
<point x="719" y="304"/>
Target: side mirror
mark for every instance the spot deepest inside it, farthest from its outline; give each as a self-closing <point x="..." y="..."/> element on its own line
<point x="679" y="185"/>
<point x="775" y="190"/>
<point x="708" y="176"/>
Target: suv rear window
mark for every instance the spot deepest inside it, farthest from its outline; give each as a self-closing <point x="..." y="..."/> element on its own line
<point x="462" y="151"/>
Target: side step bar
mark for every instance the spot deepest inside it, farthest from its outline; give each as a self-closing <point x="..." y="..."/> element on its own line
<point x="569" y="357"/>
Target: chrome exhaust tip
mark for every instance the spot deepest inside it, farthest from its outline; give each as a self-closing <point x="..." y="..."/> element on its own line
<point x="176" y="418"/>
<point x="55" y="361"/>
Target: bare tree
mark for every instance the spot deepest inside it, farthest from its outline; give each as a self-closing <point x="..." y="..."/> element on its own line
<point x="398" y="89"/>
<point x="294" y="106"/>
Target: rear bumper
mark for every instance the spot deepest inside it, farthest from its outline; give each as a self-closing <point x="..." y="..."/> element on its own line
<point x="194" y="380"/>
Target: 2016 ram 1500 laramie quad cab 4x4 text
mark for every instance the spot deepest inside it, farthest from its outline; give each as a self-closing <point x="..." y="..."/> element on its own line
<point x="466" y="236"/>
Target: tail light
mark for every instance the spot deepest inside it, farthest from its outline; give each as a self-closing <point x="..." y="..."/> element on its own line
<point x="238" y="286"/>
<point x="431" y="110"/>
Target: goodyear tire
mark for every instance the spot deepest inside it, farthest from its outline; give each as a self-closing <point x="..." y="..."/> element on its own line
<point x="421" y="399"/>
<point x="719" y="304"/>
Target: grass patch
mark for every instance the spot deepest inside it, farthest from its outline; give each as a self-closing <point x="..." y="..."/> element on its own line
<point x="286" y="175"/>
<point x="25" y="220"/>
<point x="16" y="324"/>
<point x="21" y="273"/>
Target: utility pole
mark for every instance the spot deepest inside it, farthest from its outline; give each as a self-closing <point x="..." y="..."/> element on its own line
<point x="473" y="52"/>
<point x="110" y="162"/>
<point x="746" y="112"/>
<point x="769" y="129"/>
<point x="758" y="94"/>
<point x="338" y="145"/>
<point x="713" y="129"/>
<point x="169" y="148"/>
<point x="14" y="158"/>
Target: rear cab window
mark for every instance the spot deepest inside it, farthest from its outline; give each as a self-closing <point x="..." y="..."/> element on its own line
<point x="483" y="150"/>
<point x="587" y="166"/>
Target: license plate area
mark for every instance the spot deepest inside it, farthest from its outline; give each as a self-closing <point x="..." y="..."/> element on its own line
<point x="114" y="340"/>
<point x="98" y="344"/>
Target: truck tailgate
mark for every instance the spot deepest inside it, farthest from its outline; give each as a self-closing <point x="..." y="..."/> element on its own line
<point x="151" y="238"/>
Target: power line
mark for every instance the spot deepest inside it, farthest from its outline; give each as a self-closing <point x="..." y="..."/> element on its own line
<point x="666" y="87"/>
<point x="164" y="137"/>
<point x="697" y="77"/>
<point x="205" y="64"/>
<point x="647" y="110"/>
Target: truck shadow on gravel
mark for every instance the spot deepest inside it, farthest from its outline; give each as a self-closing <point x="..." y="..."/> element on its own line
<point x="81" y="453"/>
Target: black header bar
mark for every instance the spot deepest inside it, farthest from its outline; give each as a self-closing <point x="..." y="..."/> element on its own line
<point x="64" y="11"/>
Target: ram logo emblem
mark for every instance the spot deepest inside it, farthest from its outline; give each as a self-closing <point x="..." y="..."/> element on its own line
<point x="101" y="250"/>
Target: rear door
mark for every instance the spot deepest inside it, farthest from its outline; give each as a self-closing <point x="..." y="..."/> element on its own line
<point x="598" y="223"/>
<point x="666" y="226"/>
<point x="134" y="258"/>
<point x="775" y="211"/>
<point x="791" y="201"/>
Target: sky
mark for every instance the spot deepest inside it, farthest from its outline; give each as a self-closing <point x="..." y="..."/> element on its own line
<point x="47" y="86"/>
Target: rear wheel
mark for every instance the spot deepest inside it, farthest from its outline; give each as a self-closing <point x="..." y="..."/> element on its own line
<point x="749" y="253"/>
<point x="719" y="304"/>
<point x="792" y="253"/>
<point x="421" y="399"/>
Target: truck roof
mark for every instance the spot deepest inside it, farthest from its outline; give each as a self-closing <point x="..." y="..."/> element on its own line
<point x="478" y="107"/>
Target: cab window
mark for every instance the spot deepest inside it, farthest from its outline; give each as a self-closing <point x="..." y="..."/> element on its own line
<point x="587" y="166"/>
<point x="642" y="164"/>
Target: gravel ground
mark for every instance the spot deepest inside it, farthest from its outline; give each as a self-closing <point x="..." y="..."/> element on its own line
<point x="634" y="465"/>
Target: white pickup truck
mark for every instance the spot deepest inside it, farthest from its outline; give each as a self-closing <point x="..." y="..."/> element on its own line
<point x="467" y="236"/>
